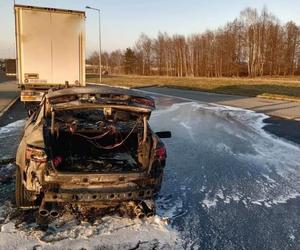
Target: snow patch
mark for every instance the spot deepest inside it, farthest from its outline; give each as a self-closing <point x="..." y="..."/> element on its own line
<point x="221" y="147"/>
<point x="11" y="128"/>
<point x="208" y="203"/>
<point x="256" y="203"/>
<point x="112" y="231"/>
<point x="292" y="237"/>
<point x="284" y="198"/>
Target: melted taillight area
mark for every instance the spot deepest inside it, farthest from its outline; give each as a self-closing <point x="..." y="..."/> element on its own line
<point x="161" y="153"/>
<point x="144" y="101"/>
<point x="35" y="154"/>
<point x="57" y="161"/>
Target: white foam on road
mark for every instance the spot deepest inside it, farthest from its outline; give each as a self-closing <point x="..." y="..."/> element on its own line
<point x="109" y="232"/>
<point x="208" y="201"/>
<point x="9" y="137"/>
<point x="11" y="129"/>
<point x="276" y="159"/>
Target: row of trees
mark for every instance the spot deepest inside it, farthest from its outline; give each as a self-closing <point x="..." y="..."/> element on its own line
<point x="255" y="44"/>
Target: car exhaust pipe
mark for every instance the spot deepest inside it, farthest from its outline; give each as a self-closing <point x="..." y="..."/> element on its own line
<point x="43" y="209"/>
<point x="149" y="207"/>
<point x="44" y="212"/>
<point x="145" y="208"/>
<point x="141" y="209"/>
<point x="54" y="213"/>
<point x="150" y="214"/>
<point x="138" y="211"/>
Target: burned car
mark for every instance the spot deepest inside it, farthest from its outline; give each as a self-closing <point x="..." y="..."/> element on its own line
<point x="90" y="147"/>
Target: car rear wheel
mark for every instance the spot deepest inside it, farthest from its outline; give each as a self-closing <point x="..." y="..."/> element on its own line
<point x="22" y="195"/>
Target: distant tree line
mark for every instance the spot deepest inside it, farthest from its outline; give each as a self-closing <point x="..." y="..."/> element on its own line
<point x="255" y="44"/>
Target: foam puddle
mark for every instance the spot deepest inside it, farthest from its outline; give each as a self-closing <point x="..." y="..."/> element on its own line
<point x="10" y="136"/>
<point x="110" y="232"/>
<point x="11" y="129"/>
<point x="249" y="165"/>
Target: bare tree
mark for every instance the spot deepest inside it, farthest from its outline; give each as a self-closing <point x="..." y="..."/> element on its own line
<point x="255" y="44"/>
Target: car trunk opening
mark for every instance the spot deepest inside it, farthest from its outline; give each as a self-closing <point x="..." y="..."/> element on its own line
<point x="98" y="140"/>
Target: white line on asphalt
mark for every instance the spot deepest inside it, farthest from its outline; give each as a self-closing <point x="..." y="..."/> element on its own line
<point x="8" y="106"/>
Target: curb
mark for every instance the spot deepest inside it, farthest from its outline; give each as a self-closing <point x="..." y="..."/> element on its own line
<point x="9" y="106"/>
<point x="278" y="98"/>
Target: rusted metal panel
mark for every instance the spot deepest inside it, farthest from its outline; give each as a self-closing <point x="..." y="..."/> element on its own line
<point x="58" y="177"/>
<point x="94" y="197"/>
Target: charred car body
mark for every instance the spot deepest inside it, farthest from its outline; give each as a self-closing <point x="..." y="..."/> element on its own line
<point x="90" y="147"/>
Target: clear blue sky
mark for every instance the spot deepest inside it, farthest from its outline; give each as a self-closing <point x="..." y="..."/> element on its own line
<point x="124" y="20"/>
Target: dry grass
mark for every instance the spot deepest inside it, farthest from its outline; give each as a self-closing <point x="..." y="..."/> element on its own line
<point x="269" y="87"/>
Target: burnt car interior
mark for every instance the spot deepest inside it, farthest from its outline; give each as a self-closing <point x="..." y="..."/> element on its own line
<point x="97" y="140"/>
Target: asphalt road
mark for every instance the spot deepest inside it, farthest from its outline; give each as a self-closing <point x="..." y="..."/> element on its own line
<point x="279" y="112"/>
<point x="235" y="185"/>
<point x="229" y="183"/>
<point x="276" y="108"/>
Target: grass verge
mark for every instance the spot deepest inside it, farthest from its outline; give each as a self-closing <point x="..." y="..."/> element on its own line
<point x="267" y="87"/>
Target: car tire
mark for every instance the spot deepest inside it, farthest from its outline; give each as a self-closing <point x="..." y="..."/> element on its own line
<point x="22" y="195"/>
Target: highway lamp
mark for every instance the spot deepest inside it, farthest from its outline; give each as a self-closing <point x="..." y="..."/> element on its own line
<point x="98" y="10"/>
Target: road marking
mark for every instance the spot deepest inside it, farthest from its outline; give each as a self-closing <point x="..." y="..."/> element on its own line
<point x="9" y="106"/>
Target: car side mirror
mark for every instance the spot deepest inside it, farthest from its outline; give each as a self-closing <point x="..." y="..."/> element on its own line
<point x="164" y="134"/>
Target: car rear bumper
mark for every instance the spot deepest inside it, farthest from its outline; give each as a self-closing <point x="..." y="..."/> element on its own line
<point x="95" y="197"/>
<point x="75" y="179"/>
<point x="99" y="189"/>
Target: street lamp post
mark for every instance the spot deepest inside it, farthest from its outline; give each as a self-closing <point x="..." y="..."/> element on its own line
<point x="91" y="8"/>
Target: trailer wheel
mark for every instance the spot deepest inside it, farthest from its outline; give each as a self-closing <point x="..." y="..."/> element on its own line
<point x="22" y="195"/>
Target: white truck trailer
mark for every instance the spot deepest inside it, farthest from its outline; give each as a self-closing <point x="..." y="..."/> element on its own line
<point x="50" y="49"/>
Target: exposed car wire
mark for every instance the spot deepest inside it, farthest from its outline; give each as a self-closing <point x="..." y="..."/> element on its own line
<point x="109" y="146"/>
<point x="95" y="137"/>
